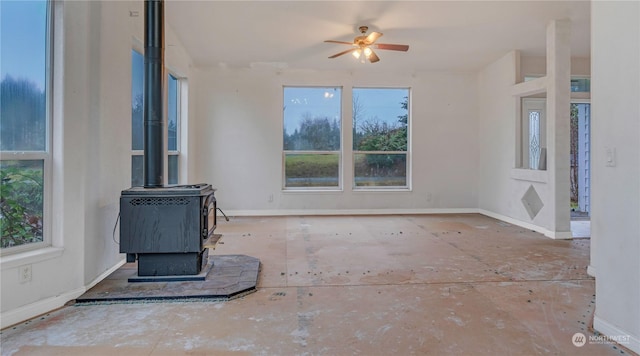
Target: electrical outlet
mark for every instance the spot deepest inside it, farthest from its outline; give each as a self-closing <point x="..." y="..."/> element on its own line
<point x="270" y="198"/>
<point x="24" y="273"/>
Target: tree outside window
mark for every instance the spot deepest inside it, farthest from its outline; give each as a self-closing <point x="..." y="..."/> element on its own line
<point x="24" y="121"/>
<point x="137" y="120"/>
<point x="311" y="137"/>
<point x="380" y="137"/>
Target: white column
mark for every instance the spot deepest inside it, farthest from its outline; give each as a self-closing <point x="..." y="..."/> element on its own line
<point x="558" y="124"/>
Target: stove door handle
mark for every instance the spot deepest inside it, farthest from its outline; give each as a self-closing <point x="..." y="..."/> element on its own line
<point x="206" y="229"/>
<point x="207" y="202"/>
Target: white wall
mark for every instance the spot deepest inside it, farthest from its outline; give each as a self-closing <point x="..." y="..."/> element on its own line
<point x="88" y="125"/>
<point x="501" y="189"/>
<point x="106" y="125"/>
<point x="537" y="66"/>
<point x="497" y="112"/>
<point x="239" y="140"/>
<point x="502" y="185"/>
<point x="615" y="219"/>
<point x="92" y="153"/>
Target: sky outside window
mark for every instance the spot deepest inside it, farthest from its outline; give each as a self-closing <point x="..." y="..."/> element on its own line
<point x="380" y="103"/>
<point x="317" y="102"/>
<point x="23" y="38"/>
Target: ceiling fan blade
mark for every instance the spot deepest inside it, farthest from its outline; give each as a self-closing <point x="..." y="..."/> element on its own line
<point x="339" y="42"/>
<point x="344" y="52"/>
<point x="392" y="47"/>
<point x="373" y="36"/>
<point x="373" y="57"/>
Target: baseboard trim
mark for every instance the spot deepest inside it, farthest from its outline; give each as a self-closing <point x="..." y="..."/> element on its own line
<point x="591" y="271"/>
<point x="608" y="329"/>
<point x="105" y="274"/>
<point x="32" y="310"/>
<point x="559" y="235"/>
<point x="556" y="235"/>
<point x="324" y="212"/>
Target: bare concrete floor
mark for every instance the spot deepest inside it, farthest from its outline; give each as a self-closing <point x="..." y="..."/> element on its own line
<point x="366" y="285"/>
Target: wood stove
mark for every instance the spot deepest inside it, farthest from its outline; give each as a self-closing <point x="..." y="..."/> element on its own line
<point x="166" y="228"/>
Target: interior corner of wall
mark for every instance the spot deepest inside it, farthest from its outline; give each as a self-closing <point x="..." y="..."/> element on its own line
<point x="517" y="70"/>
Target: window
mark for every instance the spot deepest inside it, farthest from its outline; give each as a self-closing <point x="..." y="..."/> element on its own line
<point x="25" y="120"/>
<point x="534" y="139"/>
<point x="137" y="120"/>
<point x="531" y="131"/>
<point x="173" y="127"/>
<point x="580" y="85"/>
<point x="533" y="134"/>
<point x="380" y="137"/>
<point x="137" y="123"/>
<point x="311" y="145"/>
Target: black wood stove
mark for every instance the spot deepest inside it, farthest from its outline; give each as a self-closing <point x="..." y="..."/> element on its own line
<point x="167" y="228"/>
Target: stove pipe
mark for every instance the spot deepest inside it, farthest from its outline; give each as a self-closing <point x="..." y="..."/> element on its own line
<point x="153" y="89"/>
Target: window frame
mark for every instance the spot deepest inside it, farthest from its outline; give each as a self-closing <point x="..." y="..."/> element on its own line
<point x="45" y="156"/>
<point x="407" y="153"/>
<point x="338" y="152"/>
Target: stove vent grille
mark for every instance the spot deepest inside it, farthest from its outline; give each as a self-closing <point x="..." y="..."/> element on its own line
<point x="159" y="201"/>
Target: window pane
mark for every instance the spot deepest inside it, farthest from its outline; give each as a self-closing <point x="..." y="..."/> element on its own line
<point x="172" y="113"/>
<point x="23" y="66"/>
<point x="312" y="170"/>
<point x="312" y="119"/>
<point x="137" y="122"/>
<point x="534" y="139"/>
<point x="380" y="169"/>
<point x="380" y="123"/>
<point x="21" y="206"/>
<point x="173" y="169"/>
<point x="137" y="169"/>
<point x="581" y="85"/>
<point x="380" y="119"/>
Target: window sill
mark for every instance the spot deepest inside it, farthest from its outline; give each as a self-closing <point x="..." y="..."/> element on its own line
<point x="529" y="175"/>
<point x="29" y="257"/>
<point x="385" y="190"/>
<point x="311" y="191"/>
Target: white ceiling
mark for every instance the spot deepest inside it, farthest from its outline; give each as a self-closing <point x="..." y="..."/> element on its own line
<point x="443" y="35"/>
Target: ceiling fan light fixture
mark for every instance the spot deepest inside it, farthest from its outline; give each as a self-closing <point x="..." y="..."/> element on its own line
<point x="362" y="45"/>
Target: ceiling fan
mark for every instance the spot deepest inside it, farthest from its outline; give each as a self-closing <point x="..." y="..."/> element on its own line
<point x="364" y="45"/>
